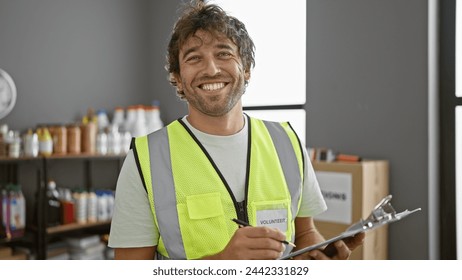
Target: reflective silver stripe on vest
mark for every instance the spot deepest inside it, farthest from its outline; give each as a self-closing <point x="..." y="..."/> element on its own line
<point x="289" y="164"/>
<point x="163" y="190"/>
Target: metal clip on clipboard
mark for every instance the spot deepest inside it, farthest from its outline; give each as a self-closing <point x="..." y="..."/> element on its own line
<point x="383" y="213"/>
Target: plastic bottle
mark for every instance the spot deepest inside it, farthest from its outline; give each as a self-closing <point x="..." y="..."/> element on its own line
<point x="124" y="126"/>
<point x="102" y="206"/>
<point x="130" y="120"/>
<point x="4" y="216"/>
<point x="3" y="144"/>
<point x="92" y="212"/>
<point x="101" y="143"/>
<point x="110" y="203"/>
<point x="102" y="119"/>
<point x="119" y="117"/>
<point x="125" y="141"/>
<point x="22" y="210"/>
<point x="3" y="129"/>
<point x="53" y="204"/>
<point x="67" y="207"/>
<point x="31" y="144"/>
<point x="113" y="140"/>
<point x="17" y="211"/>
<point x="14" y="147"/>
<point x="150" y="122"/>
<point x="81" y="207"/>
<point x="153" y="120"/>
<point x="90" y="117"/>
<point x="139" y="127"/>
<point x="45" y="141"/>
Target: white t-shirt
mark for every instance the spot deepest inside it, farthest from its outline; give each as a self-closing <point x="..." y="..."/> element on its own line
<point x="132" y="221"/>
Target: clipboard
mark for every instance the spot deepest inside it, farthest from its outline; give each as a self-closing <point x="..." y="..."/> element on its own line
<point x="382" y="214"/>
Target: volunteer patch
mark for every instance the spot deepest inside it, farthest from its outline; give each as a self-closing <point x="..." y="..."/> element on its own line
<point x="276" y="218"/>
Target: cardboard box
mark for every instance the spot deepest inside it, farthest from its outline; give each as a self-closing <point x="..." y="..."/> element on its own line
<point x="17" y="256"/>
<point x="5" y="252"/>
<point x="351" y="191"/>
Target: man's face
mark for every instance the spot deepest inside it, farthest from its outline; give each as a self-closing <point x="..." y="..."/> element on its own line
<point x="211" y="74"/>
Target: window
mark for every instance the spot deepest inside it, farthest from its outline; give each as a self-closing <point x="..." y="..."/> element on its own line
<point x="277" y="88"/>
<point x="278" y="30"/>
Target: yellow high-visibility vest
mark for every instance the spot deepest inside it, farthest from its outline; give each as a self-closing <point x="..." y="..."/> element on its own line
<point x="191" y="202"/>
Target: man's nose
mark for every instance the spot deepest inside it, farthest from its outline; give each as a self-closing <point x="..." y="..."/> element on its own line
<point x="211" y="67"/>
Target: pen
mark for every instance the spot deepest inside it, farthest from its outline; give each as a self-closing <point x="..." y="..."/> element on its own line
<point x="244" y="224"/>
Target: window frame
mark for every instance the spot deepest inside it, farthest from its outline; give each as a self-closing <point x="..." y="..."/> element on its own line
<point x="448" y="101"/>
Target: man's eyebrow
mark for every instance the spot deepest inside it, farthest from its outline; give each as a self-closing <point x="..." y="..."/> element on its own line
<point x="188" y="51"/>
<point x="217" y="46"/>
<point x="224" y="46"/>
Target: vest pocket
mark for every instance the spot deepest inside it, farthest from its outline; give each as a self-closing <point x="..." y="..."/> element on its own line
<point x="202" y="225"/>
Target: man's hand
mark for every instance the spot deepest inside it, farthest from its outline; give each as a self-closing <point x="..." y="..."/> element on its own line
<point x="257" y="243"/>
<point x="339" y="250"/>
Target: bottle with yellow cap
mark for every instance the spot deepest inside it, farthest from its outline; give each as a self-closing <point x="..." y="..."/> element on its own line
<point x="45" y="141"/>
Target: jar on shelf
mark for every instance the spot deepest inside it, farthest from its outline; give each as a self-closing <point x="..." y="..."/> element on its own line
<point x="14" y="147"/>
<point x="59" y="135"/>
<point x="73" y="139"/>
<point x="88" y="138"/>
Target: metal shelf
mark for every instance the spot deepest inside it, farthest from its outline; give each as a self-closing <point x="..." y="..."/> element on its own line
<point x="40" y="230"/>
<point x="75" y="226"/>
<point x="64" y="156"/>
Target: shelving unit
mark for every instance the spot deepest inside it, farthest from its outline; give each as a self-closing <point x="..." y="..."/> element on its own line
<point x="34" y="173"/>
<point x="9" y="169"/>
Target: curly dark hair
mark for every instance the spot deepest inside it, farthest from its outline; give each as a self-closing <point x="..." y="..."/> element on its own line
<point x="198" y="15"/>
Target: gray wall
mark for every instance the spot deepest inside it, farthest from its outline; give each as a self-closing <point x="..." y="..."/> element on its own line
<point x="68" y="55"/>
<point x="367" y="95"/>
<point x="162" y="17"/>
<point x="366" y="79"/>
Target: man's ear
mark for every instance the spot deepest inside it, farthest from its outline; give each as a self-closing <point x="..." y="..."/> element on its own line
<point x="176" y="77"/>
<point x="247" y="75"/>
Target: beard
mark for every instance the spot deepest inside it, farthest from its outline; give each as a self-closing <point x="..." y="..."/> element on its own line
<point x="217" y="105"/>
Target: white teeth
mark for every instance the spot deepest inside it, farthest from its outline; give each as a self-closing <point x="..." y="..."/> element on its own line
<point x="215" y="86"/>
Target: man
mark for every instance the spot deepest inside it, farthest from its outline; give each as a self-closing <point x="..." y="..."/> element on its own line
<point x="180" y="187"/>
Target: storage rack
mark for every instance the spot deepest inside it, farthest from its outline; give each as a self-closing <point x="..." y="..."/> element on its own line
<point x="37" y="231"/>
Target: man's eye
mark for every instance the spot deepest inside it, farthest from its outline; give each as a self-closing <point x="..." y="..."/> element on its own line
<point x="224" y="54"/>
<point x="193" y="58"/>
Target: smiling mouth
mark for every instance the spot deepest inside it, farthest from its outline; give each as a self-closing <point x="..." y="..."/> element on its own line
<point x="212" y="86"/>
